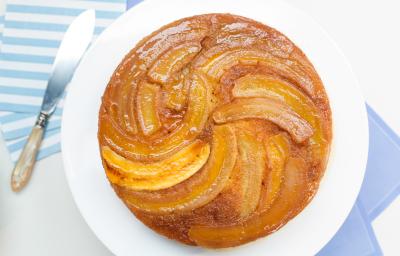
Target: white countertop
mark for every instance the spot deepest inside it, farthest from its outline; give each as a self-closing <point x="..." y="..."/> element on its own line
<point x="43" y="219"/>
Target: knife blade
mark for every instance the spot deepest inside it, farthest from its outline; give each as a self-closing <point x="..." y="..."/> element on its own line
<point x="74" y="44"/>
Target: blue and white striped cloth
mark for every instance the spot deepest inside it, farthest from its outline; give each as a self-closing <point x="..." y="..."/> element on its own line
<point x="32" y="33"/>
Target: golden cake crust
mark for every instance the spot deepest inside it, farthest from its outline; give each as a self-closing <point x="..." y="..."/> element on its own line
<point x="215" y="130"/>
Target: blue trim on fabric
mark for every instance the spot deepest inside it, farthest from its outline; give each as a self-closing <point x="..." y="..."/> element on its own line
<point x="98" y="30"/>
<point x="17" y="57"/>
<point x="43" y="153"/>
<point x="19" y="107"/>
<point x="58" y="11"/>
<point x="54" y="27"/>
<point x="20" y="144"/>
<point x="16" y="146"/>
<point x="34" y="75"/>
<point x="24" y="108"/>
<point x="15" y="134"/>
<point x="36" y="25"/>
<point x="31" y="42"/>
<point x="12" y="117"/>
<point x="21" y="91"/>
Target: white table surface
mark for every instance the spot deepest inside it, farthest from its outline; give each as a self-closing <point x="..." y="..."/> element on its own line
<point x="43" y="219"/>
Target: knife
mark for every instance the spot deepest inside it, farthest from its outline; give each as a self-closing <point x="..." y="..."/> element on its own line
<point x="73" y="46"/>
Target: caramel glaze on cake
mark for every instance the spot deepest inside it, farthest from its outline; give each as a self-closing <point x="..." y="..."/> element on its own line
<point x="215" y="130"/>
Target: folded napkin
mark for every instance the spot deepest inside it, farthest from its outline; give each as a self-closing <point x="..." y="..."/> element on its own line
<point x="380" y="187"/>
<point x="32" y="33"/>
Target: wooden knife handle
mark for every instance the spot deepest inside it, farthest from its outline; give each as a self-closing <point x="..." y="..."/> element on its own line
<point x="23" y="169"/>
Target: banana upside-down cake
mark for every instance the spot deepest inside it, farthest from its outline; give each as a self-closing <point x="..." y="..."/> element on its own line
<point x="215" y="130"/>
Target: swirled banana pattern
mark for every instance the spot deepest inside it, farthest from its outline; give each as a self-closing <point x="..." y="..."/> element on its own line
<point x="215" y="130"/>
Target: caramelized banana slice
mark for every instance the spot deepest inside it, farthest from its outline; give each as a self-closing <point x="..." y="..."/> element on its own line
<point x="184" y="158"/>
<point x="147" y="98"/>
<point x="270" y="110"/>
<point x="172" y="61"/>
<point x="277" y="153"/>
<point x="192" y="124"/>
<point x="253" y="164"/>
<point x="176" y="95"/>
<point x="200" y="188"/>
<point x="273" y="88"/>
<point x="216" y="62"/>
<point x="121" y="112"/>
<point x="294" y="193"/>
<point x="158" y="175"/>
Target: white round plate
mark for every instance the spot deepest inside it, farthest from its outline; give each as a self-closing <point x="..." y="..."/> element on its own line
<point x="108" y="217"/>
